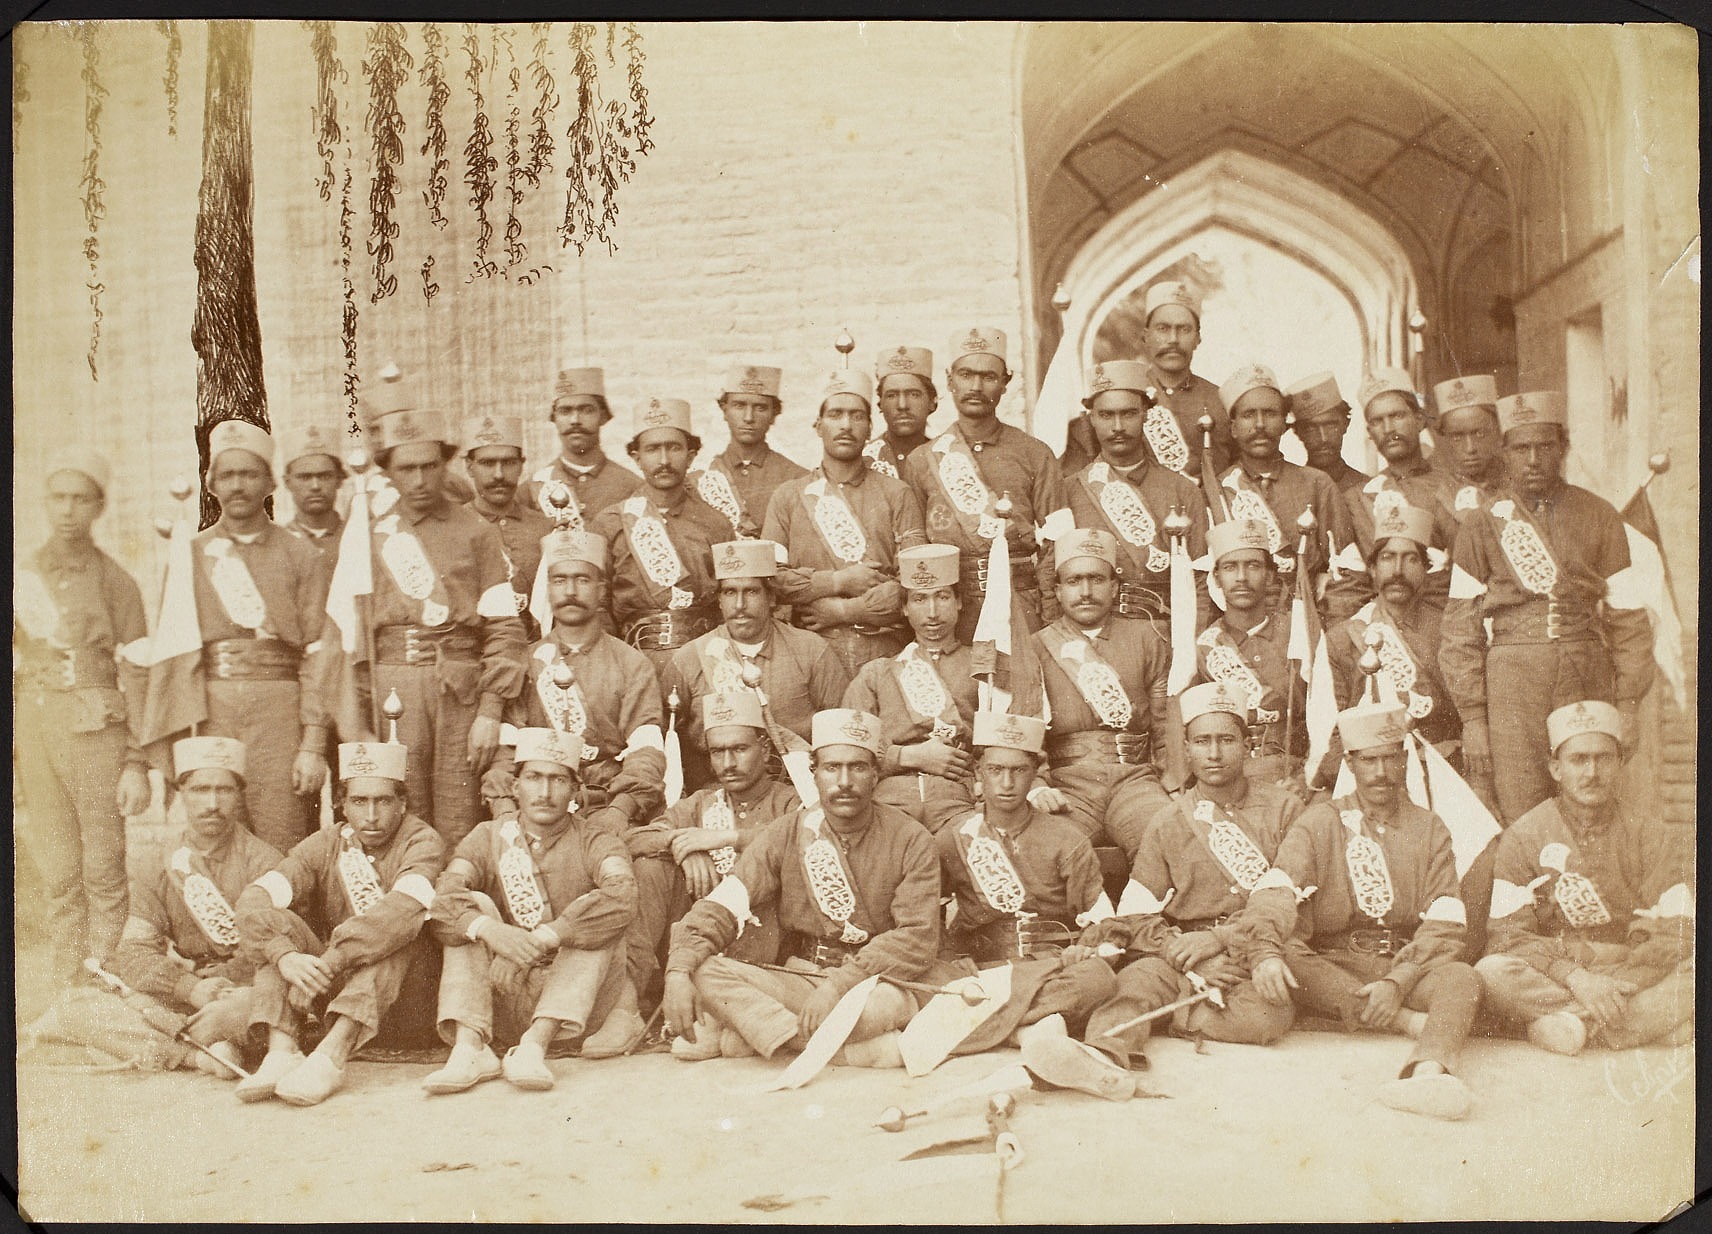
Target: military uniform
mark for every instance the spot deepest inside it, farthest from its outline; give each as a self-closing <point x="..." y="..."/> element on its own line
<point x="731" y="483"/>
<point x="593" y="486"/>
<point x="919" y="696"/>
<point x="1409" y="666"/>
<point x="1255" y="664"/>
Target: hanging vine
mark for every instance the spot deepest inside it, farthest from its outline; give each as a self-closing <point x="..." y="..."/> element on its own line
<point x="581" y="141"/>
<point x="348" y="313"/>
<point x="329" y="72"/>
<point x="479" y="163"/>
<point x="174" y="45"/>
<point x="640" y="120"/>
<point x="515" y="249"/>
<point x="433" y="79"/>
<point x="541" y="115"/>
<point x="386" y="67"/>
<point x="91" y="185"/>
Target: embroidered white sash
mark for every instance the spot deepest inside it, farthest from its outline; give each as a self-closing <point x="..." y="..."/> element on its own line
<point x="1128" y="514"/>
<point x="213" y="915"/>
<point x="1529" y="558"/>
<point x="1231" y="847"/>
<point x="837" y="524"/>
<point x="827" y="878"/>
<point x="1369" y="876"/>
<point x="408" y="563"/>
<point x="653" y="549"/>
<point x="717" y="815"/>
<point x="716" y="488"/>
<point x="34" y="608"/>
<point x="357" y="873"/>
<point x="1165" y="438"/>
<point x="238" y="593"/>
<point x="990" y="867"/>
<point x="523" y="897"/>
<point x="925" y="693"/>
<point x="960" y="479"/>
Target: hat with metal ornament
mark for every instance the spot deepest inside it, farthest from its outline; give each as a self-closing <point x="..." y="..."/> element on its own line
<point x="1235" y="534"/>
<point x="760" y="379"/>
<point x="1391" y="520"/>
<point x="207" y="754"/>
<point x="580" y="383"/>
<point x="842" y="726"/>
<point x="1212" y="698"/>
<point x="928" y="567"/>
<point x="1386" y="380"/>
<point x="1314" y="397"/>
<point x="848" y="381"/>
<point x="309" y="442"/>
<point x="491" y="430"/>
<point x="566" y="544"/>
<point x="240" y="435"/>
<point x="1480" y="390"/>
<point x="1248" y="377"/>
<point x="1173" y="292"/>
<point x="916" y="361"/>
<point x="406" y="427"/>
<point x="1372" y="724"/>
<point x="389" y="394"/>
<point x="1119" y="375"/>
<point x="1588" y="716"/>
<point x="1009" y="732"/>
<point x="1534" y="407"/>
<point x="383" y="759"/>
<point x="548" y="745"/>
<point x="655" y="412"/>
<point x="742" y="708"/>
<point x="977" y="341"/>
<point x="83" y="462"/>
<point x="745" y="559"/>
<point x="1085" y="542"/>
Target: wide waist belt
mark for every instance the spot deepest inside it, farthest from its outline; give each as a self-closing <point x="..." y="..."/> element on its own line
<point x="1140" y="600"/>
<point x="1190" y="924"/>
<point x="861" y="629"/>
<point x="826" y="952"/>
<point x="251" y="659"/>
<point x="667" y="630"/>
<point x="41" y="667"/>
<point x="426" y="644"/>
<point x="1099" y="745"/>
<point x="1545" y="621"/>
<point x="1025" y="574"/>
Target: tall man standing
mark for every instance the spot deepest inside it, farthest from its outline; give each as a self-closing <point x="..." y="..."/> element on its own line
<point x="1543" y="610"/>
<point x="493" y="455"/>
<point x="841" y="526"/>
<point x="739" y="481"/>
<point x="313" y="472"/>
<point x="579" y="412"/>
<point x="907" y="398"/>
<point x="80" y="772"/>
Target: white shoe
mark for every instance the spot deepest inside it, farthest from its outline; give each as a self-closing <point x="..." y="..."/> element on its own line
<point x="463" y="1070"/>
<point x="525" y="1067"/>
<point x="1049" y="1053"/>
<point x="1438" y="1095"/>
<point x="707" y="1033"/>
<point x="1561" y="1032"/>
<point x="880" y="1051"/>
<point x="621" y="1029"/>
<point x="274" y="1067"/>
<point x="311" y="1082"/>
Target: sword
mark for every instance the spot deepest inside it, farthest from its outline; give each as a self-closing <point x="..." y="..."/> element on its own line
<point x="1203" y="993"/>
<point x="115" y="984"/>
<point x="971" y="995"/>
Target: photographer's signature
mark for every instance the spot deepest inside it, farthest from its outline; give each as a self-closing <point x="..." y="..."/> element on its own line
<point x="1651" y="1079"/>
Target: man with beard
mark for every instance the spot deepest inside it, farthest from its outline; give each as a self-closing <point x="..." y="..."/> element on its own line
<point x="841" y="526"/>
<point x="1321" y="426"/>
<point x="493" y="455"/>
<point x="1381" y="938"/>
<point x="740" y="480"/>
<point x="1104" y="679"/>
<point x="1592" y="933"/>
<point x="1471" y="447"/>
<point x="907" y="398"/>
<point x="660" y="540"/>
<point x="332" y="927"/>
<point x="962" y="474"/>
<point x="313" y="472"/>
<point x="796" y="673"/>
<point x="1181" y="911"/>
<point x="1265" y="486"/>
<point x="579" y="411"/>
<point x="855" y="886"/>
<point x="1544" y="610"/>
<point x="531" y="912"/>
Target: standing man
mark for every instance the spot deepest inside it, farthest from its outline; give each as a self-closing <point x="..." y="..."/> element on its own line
<point x="962" y="474"/>
<point x="660" y="540"/>
<point x="1542" y="609"/>
<point x="493" y="455"/>
<point x="1382" y="937"/>
<point x="313" y="472"/>
<point x="798" y="672"/>
<point x="332" y="927"/>
<point x="531" y="912"/>
<point x="579" y="411"/>
<point x="261" y="600"/>
<point x="1472" y="447"/>
<point x="1265" y="486"/>
<point x="1125" y="492"/>
<point x="841" y="526"/>
<point x="1105" y="698"/>
<point x="1321" y="424"/>
<point x="79" y="770"/>
<point x="907" y="399"/>
<point x="856" y="889"/>
<point x="739" y="481"/>
<point x="1592" y="911"/>
<point x="925" y="697"/>
<point x="1181" y="911"/>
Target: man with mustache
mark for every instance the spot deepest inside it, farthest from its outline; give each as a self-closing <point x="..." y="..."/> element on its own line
<point x="1126" y="492"/>
<point x="531" y="912"/>
<point x="493" y="455"/>
<point x="795" y="672"/>
<point x="962" y="474"/>
<point x="681" y="855"/>
<point x="1544" y="610"/>
<point x="1263" y="485"/>
<point x="740" y="480"/>
<point x="1592" y="933"/>
<point x="579" y="411"/>
<point x="1394" y="423"/>
<point x="842" y="525"/>
<point x="333" y="926"/>
<point x="1379" y="945"/>
<point x="314" y="470"/>
<point x="660" y="540"/>
<point x="907" y="398"/>
<point x="855" y="886"/>
<point x="1471" y="446"/>
<point x="1181" y="911"/>
<point x="1321" y="425"/>
<point x="1104" y="678"/>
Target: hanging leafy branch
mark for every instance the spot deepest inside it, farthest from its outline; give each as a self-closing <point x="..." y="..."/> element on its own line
<point x="541" y="115"/>
<point x="515" y="249"/>
<point x="91" y="185"/>
<point x="640" y="121"/>
<point x="174" y="45"/>
<point x="329" y="72"/>
<point x="386" y="68"/>
<point x="581" y="140"/>
<point x="433" y="79"/>
<point x="348" y="313"/>
<point x="479" y="163"/>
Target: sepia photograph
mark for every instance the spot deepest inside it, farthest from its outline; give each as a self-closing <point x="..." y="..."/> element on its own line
<point x="855" y="622"/>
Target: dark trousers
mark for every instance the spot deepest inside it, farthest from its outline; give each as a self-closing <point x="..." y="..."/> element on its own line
<point x="264" y="716"/>
<point x="1525" y="682"/>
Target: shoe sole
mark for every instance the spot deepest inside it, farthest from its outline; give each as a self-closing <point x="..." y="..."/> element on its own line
<point x="1060" y="1061"/>
<point x="443" y="1089"/>
<point x="249" y="1096"/>
<point x="529" y="1084"/>
<point x="1452" y="1106"/>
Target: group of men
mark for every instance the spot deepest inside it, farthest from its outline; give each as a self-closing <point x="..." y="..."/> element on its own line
<point x="717" y="747"/>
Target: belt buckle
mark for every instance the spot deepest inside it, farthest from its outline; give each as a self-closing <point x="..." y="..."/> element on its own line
<point x="414" y="651"/>
<point x="1554" y="621"/>
<point x="1371" y="942"/>
<point x="68" y="669"/>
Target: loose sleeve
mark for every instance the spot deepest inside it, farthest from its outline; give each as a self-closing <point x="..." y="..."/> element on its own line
<point x="264" y="910"/>
<point x="1662" y="932"/>
<point x="455" y="906"/>
<point x="141" y="959"/>
<point x="504" y="640"/>
<point x="1443" y="929"/>
<point x="1269" y="919"/>
<point x="1513" y="924"/>
<point x="1462" y="633"/>
<point x="1140" y="926"/>
<point x="638" y="790"/>
<point x="714" y="921"/>
<point x="599" y="917"/>
<point x="909" y="947"/>
<point x="401" y="913"/>
<point x="797" y="582"/>
<point x="312" y="707"/>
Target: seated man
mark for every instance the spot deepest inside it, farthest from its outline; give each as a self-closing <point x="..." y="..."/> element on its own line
<point x="180" y="944"/>
<point x="1182" y="910"/>
<point x="1592" y="932"/>
<point x="552" y="958"/>
<point x="332" y="926"/>
<point x="925" y="696"/>
<point x="856" y="888"/>
<point x="1383" y="923"/>
<point x="1025" y="883"/>
<point x="681" y="856"/>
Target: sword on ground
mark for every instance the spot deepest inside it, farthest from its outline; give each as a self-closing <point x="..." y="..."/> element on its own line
<point x="1204" y="993"/>
<point x="125" y="992"/>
